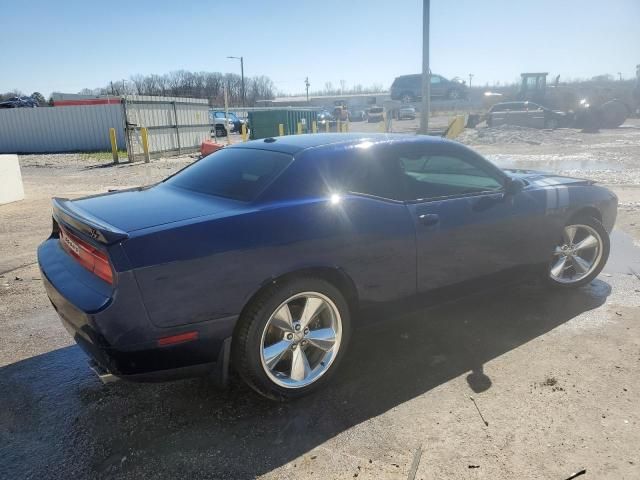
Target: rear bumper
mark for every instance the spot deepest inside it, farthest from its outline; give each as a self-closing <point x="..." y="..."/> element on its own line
<point x="116" y="333"/>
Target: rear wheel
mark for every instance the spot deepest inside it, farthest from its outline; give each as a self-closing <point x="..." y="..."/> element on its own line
<point x="454" y="94"/>
<point x="291" y="337"/>
<point x="407" y="98"/>
<point x="551" y="123"/>
<point x="580" y="255"/>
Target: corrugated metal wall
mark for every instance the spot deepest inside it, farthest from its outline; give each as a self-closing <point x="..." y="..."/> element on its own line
<point x="60" y="129"/>
<point x="175" y="125"/>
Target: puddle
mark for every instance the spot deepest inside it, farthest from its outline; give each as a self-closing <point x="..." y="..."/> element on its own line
<point x="625" y="254"/>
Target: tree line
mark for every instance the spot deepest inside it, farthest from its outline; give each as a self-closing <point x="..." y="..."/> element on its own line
<point x="183" y="83"/>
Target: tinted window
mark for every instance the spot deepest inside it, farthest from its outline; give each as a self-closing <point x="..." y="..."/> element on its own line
<point x="238" y="173"/>
<point x="320" y="175"/>
<point x="434" y="176"/>
<point x="435" y="79"/>
<point x="368" y="174"/>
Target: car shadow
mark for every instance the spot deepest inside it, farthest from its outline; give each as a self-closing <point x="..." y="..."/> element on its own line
<point x="57" y="420"/>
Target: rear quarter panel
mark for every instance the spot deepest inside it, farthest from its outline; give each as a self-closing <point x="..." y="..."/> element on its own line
<point x="211" y="268"/>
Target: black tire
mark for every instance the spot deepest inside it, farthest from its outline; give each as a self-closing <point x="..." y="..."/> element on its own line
<point x="613" y="114"/>
<point x="454" y="94"/>
<point x="221" y="132"/>
<point x="247" y="339"/>
<point x="551" y="123"/>
<point x="407" y="97"/>
<point x="606" y="247"/>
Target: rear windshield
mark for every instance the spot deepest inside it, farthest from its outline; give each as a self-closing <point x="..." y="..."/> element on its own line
<point x="237" y="173"/>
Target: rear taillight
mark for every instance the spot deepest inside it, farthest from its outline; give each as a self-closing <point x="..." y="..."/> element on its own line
<point x="89" y="257"/>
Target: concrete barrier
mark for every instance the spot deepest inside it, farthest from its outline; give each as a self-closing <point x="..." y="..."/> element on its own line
<point x="11" y="189"/>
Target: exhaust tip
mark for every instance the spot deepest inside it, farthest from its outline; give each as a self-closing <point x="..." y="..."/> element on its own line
<point x="104" y="375"/>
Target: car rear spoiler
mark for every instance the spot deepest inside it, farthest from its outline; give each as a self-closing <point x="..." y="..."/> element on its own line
<point x="66" y="212"/>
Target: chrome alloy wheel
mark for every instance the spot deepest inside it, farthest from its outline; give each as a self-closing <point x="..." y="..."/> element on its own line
<point x="577" y="255"/>
<point x="301" y="340"/>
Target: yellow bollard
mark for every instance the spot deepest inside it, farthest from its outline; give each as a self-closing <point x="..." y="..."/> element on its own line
<point x="299" y="128"/>
<point x="145" y="144"/>
<point x="244" y="132"/>
<point x="281" y="129"/>
<point x="114" y="145"/>
<point x="314" y="126"/>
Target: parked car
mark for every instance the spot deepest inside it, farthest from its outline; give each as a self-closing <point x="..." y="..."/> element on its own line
<point x="357" y="114"/>
<point x="375" y="114"/>
<point x="526" y="114"/>
<point x="323" y="119"/>
<point x="406" y="111"/>
<point x="221" y="125"/>
<point x="19" y="102"/>
<point x="263" y="252"/>
<point x="237" y="123"/>
<point x="408" y="88"/>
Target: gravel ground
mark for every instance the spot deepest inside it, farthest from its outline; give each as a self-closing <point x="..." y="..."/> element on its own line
<point x="553" y="374"/>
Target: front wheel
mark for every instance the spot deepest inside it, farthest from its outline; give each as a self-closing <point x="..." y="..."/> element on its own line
<point x="580" y="255"/>
<point x="551" y="124"/>
<point x="454" y="94"/>
<point x="291" y="338"/>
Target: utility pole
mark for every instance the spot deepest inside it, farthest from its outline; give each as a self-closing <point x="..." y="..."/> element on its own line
<point x="113" y="92"/>
<point x="306" y="83"/>
<point x="426" y="73"/>
<point x="470" y="78"/>
<point x="620" y="76"/>
<point x="241" y="77"/>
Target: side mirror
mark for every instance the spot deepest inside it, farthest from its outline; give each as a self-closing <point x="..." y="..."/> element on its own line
<point x="513" y="185"/>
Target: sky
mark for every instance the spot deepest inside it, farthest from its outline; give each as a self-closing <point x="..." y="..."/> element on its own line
<point x="54" y="45"/>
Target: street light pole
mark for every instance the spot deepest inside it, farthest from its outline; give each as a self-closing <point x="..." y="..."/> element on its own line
<point x="426" y="73"/>
<point x="241" y="77"/>
<point x="307" y="84"/>
<point x="470" y="77"/>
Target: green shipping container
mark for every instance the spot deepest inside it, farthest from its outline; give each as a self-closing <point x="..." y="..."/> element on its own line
<point x="264" y="123"/>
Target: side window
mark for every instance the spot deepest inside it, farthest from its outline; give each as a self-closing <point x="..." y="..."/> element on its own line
<point x="435" y="79"/>
<point x="437" y="176"/>
<point x="369" y="174"/>
<point x="355" y="172"/>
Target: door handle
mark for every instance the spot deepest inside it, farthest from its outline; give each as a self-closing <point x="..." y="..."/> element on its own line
<point x="429" y="219"/>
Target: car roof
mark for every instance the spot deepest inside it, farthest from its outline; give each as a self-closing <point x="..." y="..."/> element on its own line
<point x="294" y="144"/>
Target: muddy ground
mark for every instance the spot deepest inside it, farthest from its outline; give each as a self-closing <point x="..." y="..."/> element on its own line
<point x="553" y="374"/>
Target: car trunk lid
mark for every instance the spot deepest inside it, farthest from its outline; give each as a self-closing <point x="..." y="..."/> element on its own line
<point x="110" y="217"/>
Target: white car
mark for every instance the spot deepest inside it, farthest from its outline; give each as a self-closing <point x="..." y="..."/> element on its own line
<point x="406" y="112"/>
<point x="219" y="124"/>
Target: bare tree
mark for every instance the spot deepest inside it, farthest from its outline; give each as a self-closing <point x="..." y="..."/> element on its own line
<point x="183" y="83"/>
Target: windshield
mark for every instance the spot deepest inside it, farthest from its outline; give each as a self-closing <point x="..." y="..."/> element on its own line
<point x="236" y="173"/>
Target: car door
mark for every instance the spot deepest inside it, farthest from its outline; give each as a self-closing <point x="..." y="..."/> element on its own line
<point x="464" y="220"/>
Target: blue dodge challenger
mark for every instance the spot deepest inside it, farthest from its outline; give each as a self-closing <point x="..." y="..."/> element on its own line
<point x="259" y="255"/>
